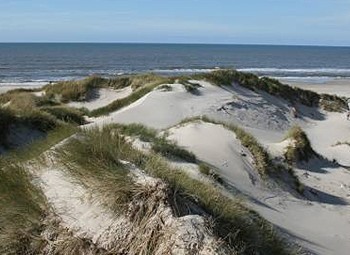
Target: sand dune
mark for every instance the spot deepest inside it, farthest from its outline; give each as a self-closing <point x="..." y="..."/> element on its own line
<point x="320" y="223"/>
<point x="102" y="97"/>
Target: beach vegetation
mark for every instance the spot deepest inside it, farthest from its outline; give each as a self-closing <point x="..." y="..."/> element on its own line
<point x="238" y="226"/>
<point x="262" y="160"/>
<point x="21" y="209"/>
<point x="67" y="91"/>
<point x="141" y="88"/>
<point x="206" y="170"/>
<point x="165" y="87"/>
<point x="159" y="144"/>
<point x="66" y="114"/>
<point x="299" y="148"/>
<point x="170" y="149"/>
<point x="275" y="88"/>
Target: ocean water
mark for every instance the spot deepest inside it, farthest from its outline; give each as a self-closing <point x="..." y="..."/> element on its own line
<point x="32" y="63"/>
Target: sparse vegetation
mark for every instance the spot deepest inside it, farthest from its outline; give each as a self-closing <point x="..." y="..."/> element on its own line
<point x="238" y="226"/>
<point x="21" y="209"/>
<point x="142" y="132"/>
<point x="263" y="163"/>
<point x="67" y="91"/>
<point x="276" y="88"/>
<point x="170" y="149"/>
<point x="190" y="86"/>
<point x="22" y="205"/>
<point x="147" y="86"/>
<point x="66" y="114"/>
<point x="159" y="144"/>
<point x="206" y="170"/>
<point x="341" y="143"/>
<point x="300" y="148"/>
<point x="165" y="87"/>
<point x="38" y="113"/>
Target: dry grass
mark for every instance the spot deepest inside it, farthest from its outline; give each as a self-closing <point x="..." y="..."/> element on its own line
<point x="21" y="208"/>
<point x="263" y="162"/>
<point x="300" y="148"/>
<point x="142" y="85"/>
<point x="276" y="88"/>
<point x="235" y="224"/>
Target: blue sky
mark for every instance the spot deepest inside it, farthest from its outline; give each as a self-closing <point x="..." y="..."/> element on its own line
<point x="305" y="22"/>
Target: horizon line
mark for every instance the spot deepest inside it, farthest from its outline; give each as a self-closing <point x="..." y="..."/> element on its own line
<point x="176" y="43"/>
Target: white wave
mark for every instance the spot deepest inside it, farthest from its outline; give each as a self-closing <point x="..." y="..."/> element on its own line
<point x="183" y="70"/>
<point x="298" y="70"/>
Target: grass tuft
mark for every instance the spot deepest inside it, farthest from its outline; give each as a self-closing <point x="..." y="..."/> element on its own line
<point x="66" y="114"/>
<point x="300" y="148"/>
<point x="276" y="88"/>
<point x="142" y="85"/>
<point x="100" y="150"/>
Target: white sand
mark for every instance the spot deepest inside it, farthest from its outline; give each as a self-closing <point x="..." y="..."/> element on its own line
<point x="336" y="87"/>
<point x="160" y="109"/>
<point x="320" y="225"/>
<point x="6" y="87"/>
<point x="205" y="140"/>
<point x="102" y="97"/>
<point x="323" y="227"/>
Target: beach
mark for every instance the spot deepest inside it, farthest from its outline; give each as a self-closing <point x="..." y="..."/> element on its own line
<point x="338" y="87"/>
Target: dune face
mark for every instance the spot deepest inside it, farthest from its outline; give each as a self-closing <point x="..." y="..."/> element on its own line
<point x="268" y="118"/>
<point x="101" y="97"/>
<point x="123" y="188"/>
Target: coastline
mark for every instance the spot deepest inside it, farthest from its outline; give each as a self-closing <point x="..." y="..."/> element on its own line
<point x="339" y="87"/>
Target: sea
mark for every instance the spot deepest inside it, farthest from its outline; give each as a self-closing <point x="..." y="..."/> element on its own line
<point x="40" y="63"/>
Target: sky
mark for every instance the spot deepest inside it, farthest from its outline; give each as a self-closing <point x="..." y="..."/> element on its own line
<point x="287" y="22"/>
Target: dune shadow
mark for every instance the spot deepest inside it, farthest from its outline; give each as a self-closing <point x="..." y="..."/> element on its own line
<point x="233" y="190"/>
<point x="318" y="165"/>
<point x="93" y="94"/>
<point x="282" y="104"/>
<point x="316" y="195"/>
<point x="299" y="240"/>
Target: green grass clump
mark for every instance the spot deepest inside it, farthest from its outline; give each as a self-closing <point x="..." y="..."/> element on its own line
<point x="276" y="88"/>
<point x="165" y="87"/>
<point x="206" y="170"/>
<point x="238" y="226"/>
<point x="21" y="209"/>
<point x="262" y="160"/>
<point x="170" y="149"/>
<point x="332" y="103"/>
<point x="300" y="148"/>
<point x="6" y="118"/>
<point x="22" y="205"/>
<point x="67" y="91"/>
<point x="159" y="144"/>
<point x="66" y="114"/>
<point x="142" y="132"/>
<point x="95" y="161"/>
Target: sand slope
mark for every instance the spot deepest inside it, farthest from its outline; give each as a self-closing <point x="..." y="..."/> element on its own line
<point x="320" y="223"/>
<point x="102" y="97"/>
<point x="321" y="226"/>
